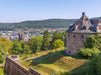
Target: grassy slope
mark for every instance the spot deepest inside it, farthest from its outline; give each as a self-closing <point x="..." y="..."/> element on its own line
<point x="39" y="54"/>
<point x="50" y="64"/>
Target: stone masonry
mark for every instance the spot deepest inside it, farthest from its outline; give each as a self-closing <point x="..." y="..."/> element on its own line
<point x="14" y="68"/>
<point x="78" y="32"/>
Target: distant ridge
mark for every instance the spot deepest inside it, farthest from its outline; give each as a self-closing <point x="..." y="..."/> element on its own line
<point x="97" y="18"/>
<point x="49" y="23"/>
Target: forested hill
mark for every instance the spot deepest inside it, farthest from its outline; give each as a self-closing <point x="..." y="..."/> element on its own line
<point x="98" y="18"/>
<point x="49" y="23"/>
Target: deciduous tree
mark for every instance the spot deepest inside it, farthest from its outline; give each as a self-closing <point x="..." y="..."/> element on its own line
<point x="36" y="43"/>
<point x="58" y="43"/>
<point x="5" y="45"/>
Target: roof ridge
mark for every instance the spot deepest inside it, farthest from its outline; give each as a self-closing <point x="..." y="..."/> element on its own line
<point x="83" y="24"/>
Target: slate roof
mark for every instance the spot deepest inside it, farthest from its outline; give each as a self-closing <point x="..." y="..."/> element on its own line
<point x="84" y="25"/>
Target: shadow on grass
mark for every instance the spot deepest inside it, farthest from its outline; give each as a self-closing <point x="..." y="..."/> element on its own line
<point x="50" y="58"/>
<point x="84" y="66"/>
<point x="47" y="59"/>
<point x="82" y="70"/>
<point x="76" y="57"/>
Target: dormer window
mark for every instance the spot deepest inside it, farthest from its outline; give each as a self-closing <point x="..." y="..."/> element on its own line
<point x="86" y="19"/>
<point x="91" y="27"/>
<point x="83" y="28"/>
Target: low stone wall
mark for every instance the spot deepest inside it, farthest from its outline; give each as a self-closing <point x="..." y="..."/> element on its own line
<point x="14" y="68"/>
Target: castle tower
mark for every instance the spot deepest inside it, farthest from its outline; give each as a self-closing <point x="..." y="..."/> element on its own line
<point x="21" y="36"/>
<point x="79" y="31"/>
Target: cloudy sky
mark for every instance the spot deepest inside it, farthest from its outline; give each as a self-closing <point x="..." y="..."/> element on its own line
<point x="22" y="10"/>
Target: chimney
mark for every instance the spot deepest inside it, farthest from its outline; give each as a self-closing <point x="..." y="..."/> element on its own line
<point x="83" y="13"/>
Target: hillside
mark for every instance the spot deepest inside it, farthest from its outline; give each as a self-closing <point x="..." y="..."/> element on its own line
<point x="49" y="23"/>
<point x="97" y="18"/>
<point x="53" y="62"/>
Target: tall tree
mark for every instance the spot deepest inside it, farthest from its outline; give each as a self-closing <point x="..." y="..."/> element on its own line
<point x="61" y="36"/>
<point x="5" y="45"/>
<point x="26" y="49"/>
<point x="55" y="36"/>
<point x="17" y="47"/>
<point x="36" y="43"/>
<point x="46" y="41"/>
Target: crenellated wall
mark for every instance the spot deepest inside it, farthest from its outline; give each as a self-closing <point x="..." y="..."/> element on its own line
<point x="14" y="68"/>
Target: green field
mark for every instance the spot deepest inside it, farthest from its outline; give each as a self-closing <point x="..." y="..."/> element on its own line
<point x="53" y="62"/>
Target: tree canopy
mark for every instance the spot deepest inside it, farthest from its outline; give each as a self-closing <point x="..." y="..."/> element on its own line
<point x="46" y="40"/>
<point x="58" y="43"/>
<point x="5" y="46"/>
<point x="93" y="41"/>
<point x="36" y="43"/>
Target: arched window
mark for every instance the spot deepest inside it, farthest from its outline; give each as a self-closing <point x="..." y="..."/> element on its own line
<point x="86" y="19"/>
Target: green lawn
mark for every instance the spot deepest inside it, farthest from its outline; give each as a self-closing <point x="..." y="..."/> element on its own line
<point x="53" y="62"/>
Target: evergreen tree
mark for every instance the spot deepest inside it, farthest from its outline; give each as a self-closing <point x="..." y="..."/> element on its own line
<point x="46" y="41"/>
<point x="55" y="36"/>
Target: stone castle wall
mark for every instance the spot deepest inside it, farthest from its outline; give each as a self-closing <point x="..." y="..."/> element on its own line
<point x="14" y="68"/>
<point x="75" y="41"/>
